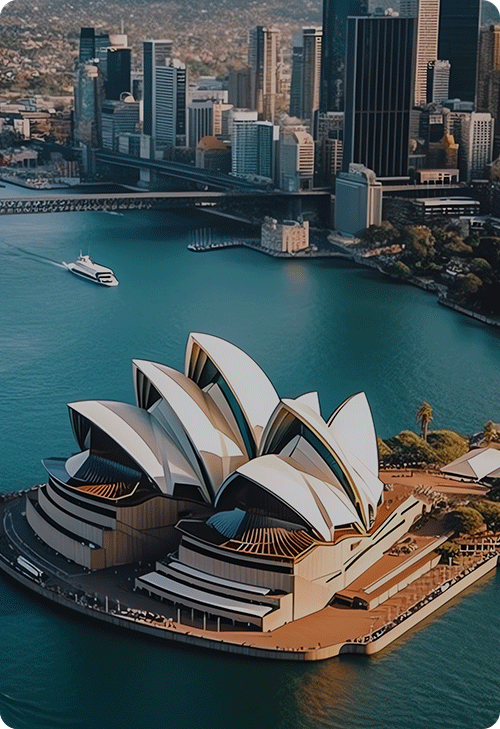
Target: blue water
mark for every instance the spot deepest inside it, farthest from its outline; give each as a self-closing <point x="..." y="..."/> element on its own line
<point x="312" y="325"/>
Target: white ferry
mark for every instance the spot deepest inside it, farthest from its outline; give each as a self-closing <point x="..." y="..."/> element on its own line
<point x="85" y="267"/>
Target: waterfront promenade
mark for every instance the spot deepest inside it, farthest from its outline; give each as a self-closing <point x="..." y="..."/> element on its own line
<point x="107" y="595"/>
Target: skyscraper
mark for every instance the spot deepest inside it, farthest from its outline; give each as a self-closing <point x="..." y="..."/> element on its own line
<point x="155" y="53"/>
<point x="297" y="77"/>
<point x="118" y="72"/>
<point x="87" y="44"/>
<point x="170" y="128"/>
<point x="252" y="148"/>
<point x="438" y="81"/>
<point x="379" y="91"/>
<point x="427" y="14"/>
<point x="335" y="14"/>
<point x="311" y="75"/>
<point x="263" y="62"/>
<point x="458" y="43"/>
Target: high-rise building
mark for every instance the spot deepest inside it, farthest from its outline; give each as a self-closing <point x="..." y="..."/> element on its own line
<point x="358" y="200"/>
<point x="296" y="83"/>
<point x="296" y="160"/>
<point x="335" y="14"/>
<point x="379" y="93"/>
<point x="200" y="116"/>
<point x="311" y="74"/>
<point x="238" y="87"/>
<point x="170" y="118"/>
<point x="102" y="42"/>
<point x="118" y="117"/>
<point x="87" y="45"/>
<point x="438" y="81"/>
<point x="155" y="53"/>
<point x="253" y="148"/>
<point x="118" y="72"/>
<point x="488" y="77"/>
<point x="89" y="97"/>
<point x="263" y="55"/>
<point x="476" y="147"/>
<point x="426" y="13"/>
<point x="458" y="43"/>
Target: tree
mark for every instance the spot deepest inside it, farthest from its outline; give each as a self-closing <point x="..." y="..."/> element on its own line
<point x="470" y="284"/>
<point x="490" y="433"/>
<point x="424" y="417"/>
<point x="448" y="550"/>
<point x="464" y="520"/>
<point x="490" y="511"/>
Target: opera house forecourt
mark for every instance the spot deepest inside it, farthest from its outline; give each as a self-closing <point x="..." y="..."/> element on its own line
<point x="231" y="518"/>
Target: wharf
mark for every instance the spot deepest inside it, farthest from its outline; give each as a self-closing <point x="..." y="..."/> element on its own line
<point x="107" y="595"/>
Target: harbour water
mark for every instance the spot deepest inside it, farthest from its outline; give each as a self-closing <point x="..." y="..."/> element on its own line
<point x="322" y="325"/>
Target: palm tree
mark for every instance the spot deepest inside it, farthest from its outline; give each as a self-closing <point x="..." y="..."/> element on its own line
<point x="489" y="433"/>
<point x="424" y="417"/>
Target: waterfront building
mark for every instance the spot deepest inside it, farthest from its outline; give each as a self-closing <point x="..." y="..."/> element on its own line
<point x="118" y="117"/>
<point x="459" y="22"/>
<point x="277" y="511"/>
<point x="253" y="148"/>
<point x="378" y="104"/>
<point x="358" y="200"/>
<point x="296" y="160"/>
<point x="476" y="145"/>
<point x="155" y="53"/>
<point x="438" y="81"/>
<point x="289" y="236"/>
<point x="263" y="54"/>
<point x="333" y="51"/>
<point x="442" y="207"/>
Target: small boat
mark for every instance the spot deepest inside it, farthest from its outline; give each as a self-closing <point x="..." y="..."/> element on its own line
<point x="86" y="268"/>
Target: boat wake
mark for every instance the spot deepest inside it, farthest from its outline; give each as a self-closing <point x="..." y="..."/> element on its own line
<point x="34" y="256"/>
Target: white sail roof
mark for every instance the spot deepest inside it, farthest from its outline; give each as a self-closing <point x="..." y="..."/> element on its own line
<point x="250" y="386"/>
<point x="314" y="501"/>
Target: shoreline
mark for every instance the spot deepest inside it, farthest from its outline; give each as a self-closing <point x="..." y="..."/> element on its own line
<point x="346" y="254"/>
<point x="277" y="645"/>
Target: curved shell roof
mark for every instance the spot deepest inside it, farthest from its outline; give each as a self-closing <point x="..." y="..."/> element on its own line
<point x="352" y="426"/>
<point x="188" y="402"/>
<point x="250" y="386"/>
<point x="365" y="485"/>
<point x="131" y="428"/>
<point x="314" y="501"/>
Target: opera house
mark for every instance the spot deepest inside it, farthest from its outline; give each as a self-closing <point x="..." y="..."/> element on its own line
<point x="249" y="508"/>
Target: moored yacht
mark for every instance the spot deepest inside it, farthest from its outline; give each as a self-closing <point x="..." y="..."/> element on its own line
<point x="85" y="267"/>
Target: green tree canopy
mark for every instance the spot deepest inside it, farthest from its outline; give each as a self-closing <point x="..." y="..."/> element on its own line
<point x="490" y="511"/>
<point x="464" y="520"/>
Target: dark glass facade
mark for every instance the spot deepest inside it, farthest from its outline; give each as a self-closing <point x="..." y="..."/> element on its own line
<point x="87" y="44"/>
<point x="379" y="93"/>
<point x="118" y="79"/>
<point x="333" y="50"/>
<point x="458" y="42"/>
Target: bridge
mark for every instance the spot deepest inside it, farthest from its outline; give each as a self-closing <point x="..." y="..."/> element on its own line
<point x="178" y="171"/>
<point x="245" y="205"/>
